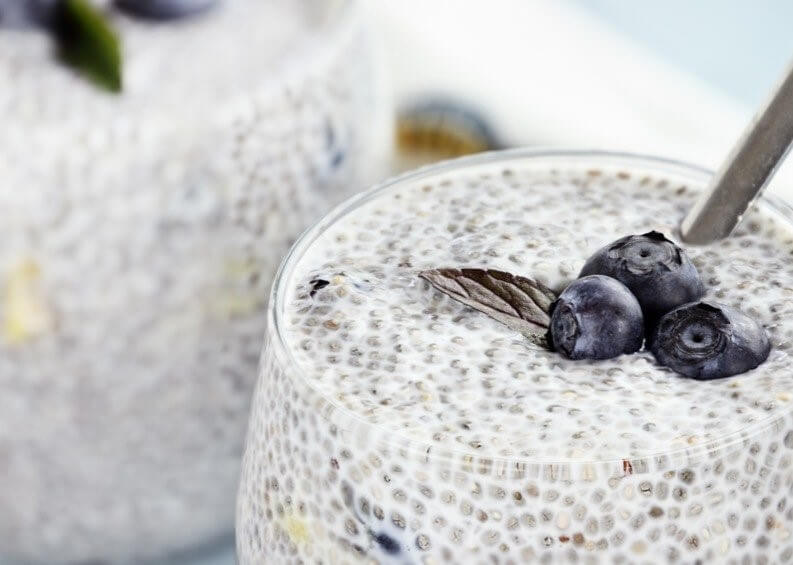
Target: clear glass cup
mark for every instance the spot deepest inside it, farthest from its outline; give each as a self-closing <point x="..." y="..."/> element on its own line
<point x="321" y="482"/>
<point x="142" y="232"/>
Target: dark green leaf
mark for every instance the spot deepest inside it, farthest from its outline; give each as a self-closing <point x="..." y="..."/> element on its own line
<point x="88" y="42"/>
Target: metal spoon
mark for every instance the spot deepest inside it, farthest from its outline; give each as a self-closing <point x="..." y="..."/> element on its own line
<point x="746" y="172"/>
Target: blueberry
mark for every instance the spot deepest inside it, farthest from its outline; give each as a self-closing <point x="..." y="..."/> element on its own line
<point x="707" y="341"/>
<point x="596" y="317"/>
<point x="164" y="9"/>
<point x="387" y="543"/>
<point x="657" y="272"/>
<point x="20" y="14"/>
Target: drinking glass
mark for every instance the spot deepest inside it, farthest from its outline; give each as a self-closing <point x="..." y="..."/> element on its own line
<point x="326" y="480"/>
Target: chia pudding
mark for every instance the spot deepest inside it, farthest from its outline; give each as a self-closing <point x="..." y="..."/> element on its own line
<point x="392" y="424"/>
<point x="140" y="233"/>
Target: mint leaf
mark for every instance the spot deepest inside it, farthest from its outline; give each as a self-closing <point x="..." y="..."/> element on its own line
<point x="520" y="303"/>
<point x="88" y="42"/>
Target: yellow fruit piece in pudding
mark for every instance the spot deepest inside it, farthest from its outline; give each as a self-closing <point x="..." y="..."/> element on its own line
<point x="25" y="312"/>
<point x="297" y="530"/>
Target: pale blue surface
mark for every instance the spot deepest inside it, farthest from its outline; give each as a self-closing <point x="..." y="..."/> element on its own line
<point x="223" y="557"/>
<point x="219" y="555"/>
<point x="738" y="46"/>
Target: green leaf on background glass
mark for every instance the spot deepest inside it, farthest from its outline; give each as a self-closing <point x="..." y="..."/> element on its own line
<point x="88" y="43"/>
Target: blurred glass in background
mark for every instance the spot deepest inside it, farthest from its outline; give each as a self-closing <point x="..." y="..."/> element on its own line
<point x="154" y="169"/>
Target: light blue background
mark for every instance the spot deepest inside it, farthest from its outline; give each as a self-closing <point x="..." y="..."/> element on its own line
<point x="738" y="46"/>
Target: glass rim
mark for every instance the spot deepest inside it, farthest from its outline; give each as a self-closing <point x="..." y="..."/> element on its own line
<point x="276" y="337"/>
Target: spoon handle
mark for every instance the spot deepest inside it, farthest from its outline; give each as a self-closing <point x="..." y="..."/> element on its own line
<point x="747" y="170"/>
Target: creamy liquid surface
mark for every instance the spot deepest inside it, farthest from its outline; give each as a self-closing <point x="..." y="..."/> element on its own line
<point x="384" y="346"/>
